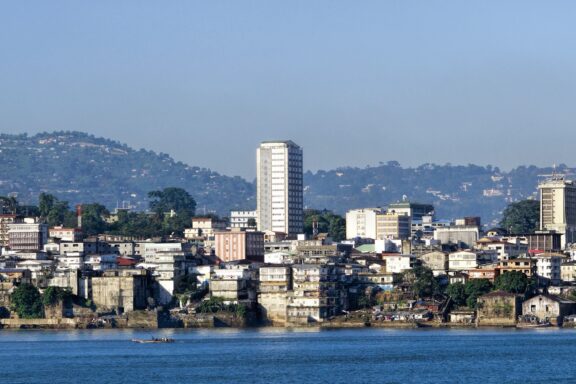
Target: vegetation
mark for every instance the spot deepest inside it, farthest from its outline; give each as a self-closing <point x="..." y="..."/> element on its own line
<point x="468" y="293"/>
<point x="521" y="217"/>
<point x="422" y="281"/>
<point x="54" y="295"/>
<point x="513" y="282"/>
<point x="328" y="222"/>
<point x="27" y="302"/>
<point x="474" y="289"/>
<point x="216" y="304"/>
<point x="457" y="292"/>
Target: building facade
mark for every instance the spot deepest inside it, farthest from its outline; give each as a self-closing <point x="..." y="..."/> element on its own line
<point x="239" y="245"/>
<point x="279" y="190"/>
<point x="558" y="207"/>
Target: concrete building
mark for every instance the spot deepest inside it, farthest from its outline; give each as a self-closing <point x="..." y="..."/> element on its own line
<point x="504" y="248"/>
<point x="498" y="309"/>
<point x="275" y="283"/>
<point x="437" y="261"/>
<point x="27" y="236"/>
<point x="5" y="221"/>
<point x="392" y="225"/>
<point x="568" y="272"/>
<point x="315" y="296"/>
<point x="458" y="234"/>
<point x="279" y="190"/>
<point x="462" y="261"/>
<point x="362" y="223"/>
<point x="397" y="263"/>
<point x="558" y="207"/>
<point x="238" y="244"/>
<point x="65" y="234"/>
<point x="523" y="265"/>
<point x="549" y="308"/>
<point x="548" y="267"/>
<point x="241" y="219"/>
<point x="123" y="290"/>
<point x="416" y="211"/>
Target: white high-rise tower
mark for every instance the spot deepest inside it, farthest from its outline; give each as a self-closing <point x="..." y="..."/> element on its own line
<point x="279" y="191"/>
<point x="558" y="207"/>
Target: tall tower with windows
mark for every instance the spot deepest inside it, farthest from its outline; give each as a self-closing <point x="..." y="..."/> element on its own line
<point x="279" y="191"/>
<point x="558" y="207"/>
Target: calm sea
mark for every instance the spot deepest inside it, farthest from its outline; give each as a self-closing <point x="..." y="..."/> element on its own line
<point x="290" y="356"/>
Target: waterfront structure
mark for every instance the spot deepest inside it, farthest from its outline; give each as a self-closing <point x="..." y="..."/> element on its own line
<point x="279" y="189"/>
<point x="314" y="297"/>
<point x="238" y="244"/>
<point x="558" y="207"/>
<point x="122" y="290"/>
<point x="498" y="308"/>
<point x="362" y="223"/>
<point x="549" y="308"/>
<point x="275" y="283"/>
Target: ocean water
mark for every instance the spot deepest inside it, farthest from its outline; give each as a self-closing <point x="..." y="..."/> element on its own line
<point x="272" y="355"/>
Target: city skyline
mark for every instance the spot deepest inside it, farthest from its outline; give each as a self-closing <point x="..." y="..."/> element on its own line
<point x="411" y="82"/>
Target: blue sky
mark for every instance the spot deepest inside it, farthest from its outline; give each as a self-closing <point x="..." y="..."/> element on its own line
<point x="353" y="82"/>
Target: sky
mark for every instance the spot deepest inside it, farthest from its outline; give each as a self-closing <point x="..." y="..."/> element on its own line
<point x="355" y="83"/>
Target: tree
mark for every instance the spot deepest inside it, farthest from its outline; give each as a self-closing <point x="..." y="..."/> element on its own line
<point x="474" y="289"/>
<point x="92" y="219"/>
<point x="53" y="295"/>
<point x="327" y="222"/>
<point x="457" y="292"/>
<point x="425" y="285"/>
<point x="54" y="211"/>
<point x="176" y="199"/>
<point x="521" y="217"/>
<point x="251" y="222"/>
<point x="513" y="282"/>
<point x="27" y="302"/>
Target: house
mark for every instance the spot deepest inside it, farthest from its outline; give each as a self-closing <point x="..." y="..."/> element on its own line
<point x="498" y="308"/>
<point x="549" y="308"/>
<point x="437" y="261"/>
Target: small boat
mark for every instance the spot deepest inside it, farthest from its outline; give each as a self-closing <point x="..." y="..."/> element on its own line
<point x="533" y="325"/>
<point x="154" y="340"/>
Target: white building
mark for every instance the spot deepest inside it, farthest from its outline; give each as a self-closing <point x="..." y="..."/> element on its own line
<point x="548" y="267"/>
<point x="558" y="207"/>
<point x="240" y="219"/>
<point x="399" y="263"/>
<point x="362" y="223"/>
<point x="27" y="236"/>
<point x="462" y="261"/>
<point x="279" y="190"/>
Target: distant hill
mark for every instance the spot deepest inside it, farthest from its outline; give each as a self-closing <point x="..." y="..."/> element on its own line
<point x="81" y="168"/>
<point x="455" y="191"/>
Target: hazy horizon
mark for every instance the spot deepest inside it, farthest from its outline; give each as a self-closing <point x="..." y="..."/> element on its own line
<point x="354" y="84"/>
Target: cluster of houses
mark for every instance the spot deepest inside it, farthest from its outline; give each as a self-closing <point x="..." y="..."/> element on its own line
<point x="295" y="279"/>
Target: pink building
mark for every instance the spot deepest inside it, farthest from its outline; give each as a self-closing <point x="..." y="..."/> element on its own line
<point x="238" y="244"/>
